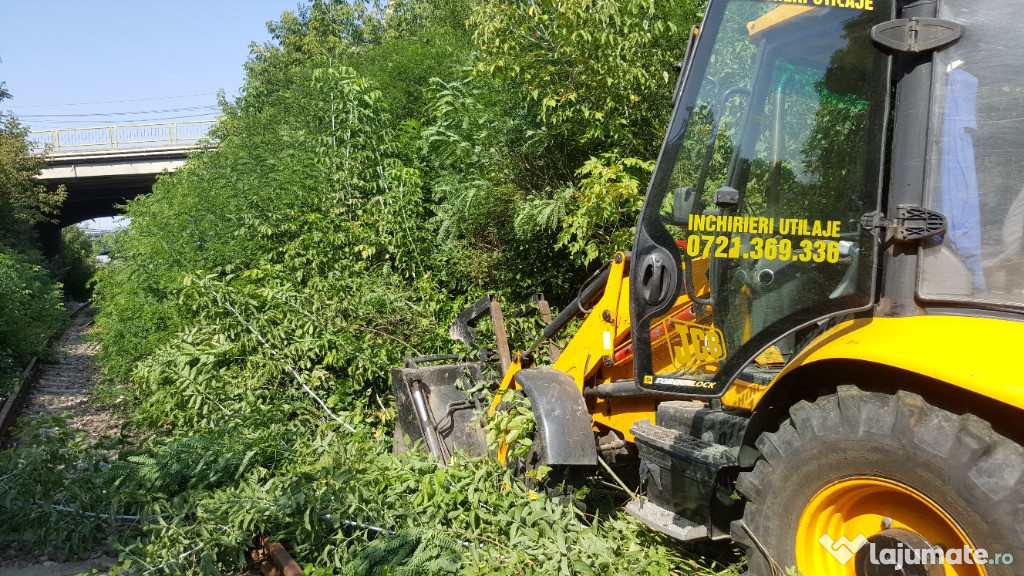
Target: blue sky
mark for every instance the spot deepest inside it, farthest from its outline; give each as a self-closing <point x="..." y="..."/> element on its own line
<point x="100" y="62"/>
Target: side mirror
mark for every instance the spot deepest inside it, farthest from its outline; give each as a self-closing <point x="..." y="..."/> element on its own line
<point x="684" y="199"/>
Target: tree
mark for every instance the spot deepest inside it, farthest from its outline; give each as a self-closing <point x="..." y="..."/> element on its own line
<point x="31" y="307"/>
<point x="23" y="202"/>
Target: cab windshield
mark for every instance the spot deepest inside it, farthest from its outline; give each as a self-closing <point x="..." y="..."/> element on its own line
<point x="773" y="157"/>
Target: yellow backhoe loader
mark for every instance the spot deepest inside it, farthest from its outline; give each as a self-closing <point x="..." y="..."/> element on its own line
<point x="811" y="347"/>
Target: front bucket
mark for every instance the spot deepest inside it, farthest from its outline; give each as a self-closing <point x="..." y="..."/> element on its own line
<point x="433" y="408"/>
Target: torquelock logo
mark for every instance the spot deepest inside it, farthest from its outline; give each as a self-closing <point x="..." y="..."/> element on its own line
<point x="843" y="549"/>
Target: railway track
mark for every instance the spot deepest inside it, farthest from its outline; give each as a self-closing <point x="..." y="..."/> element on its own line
<point x="9" y="405"/>
<point x="65" y="384"/>
<point x="68" y="377"/>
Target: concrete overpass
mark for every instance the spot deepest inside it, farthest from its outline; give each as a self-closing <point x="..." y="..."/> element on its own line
<point x="99" y="180"/>
<point x="104" y="167"/>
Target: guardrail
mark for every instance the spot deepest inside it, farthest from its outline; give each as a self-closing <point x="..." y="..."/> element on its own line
<point x="120" y="137"/>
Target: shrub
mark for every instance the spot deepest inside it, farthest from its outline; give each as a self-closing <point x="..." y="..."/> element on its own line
<point x="31" y="312"/>
<point x="30" y="299"/>
<point x="76" y="264"/>
<point x="375" y="174"/>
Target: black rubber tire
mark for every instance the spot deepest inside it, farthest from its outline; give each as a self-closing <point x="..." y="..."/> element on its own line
<point x="561" y="484"/>
<point x="975" y="475"/>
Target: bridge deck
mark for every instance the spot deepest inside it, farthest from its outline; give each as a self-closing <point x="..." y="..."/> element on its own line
<point x="68" y="166"/>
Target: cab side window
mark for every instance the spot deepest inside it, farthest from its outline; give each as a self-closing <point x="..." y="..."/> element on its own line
<point x="976" y="159"/>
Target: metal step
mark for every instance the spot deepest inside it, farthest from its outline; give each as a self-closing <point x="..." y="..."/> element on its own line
<point x="665" y="521"/>
<point x="680" y="445"/>
<point x="689" y="479"/>
<point x="698" y="421"/>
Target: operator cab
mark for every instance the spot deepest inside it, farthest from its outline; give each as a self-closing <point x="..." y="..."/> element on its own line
<point x="773" y="157"/>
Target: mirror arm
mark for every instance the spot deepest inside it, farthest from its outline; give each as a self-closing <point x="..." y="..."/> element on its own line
<point x="685" y="64"/>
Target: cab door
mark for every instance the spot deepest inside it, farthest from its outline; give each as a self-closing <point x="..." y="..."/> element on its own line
<point x="751" y="228"/>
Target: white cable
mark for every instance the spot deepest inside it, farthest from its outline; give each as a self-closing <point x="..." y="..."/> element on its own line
<point x="114" y="101"/>
<point x="288" y="367"/>
<point x="178" y="559"/>
<point x="84" y="114"/>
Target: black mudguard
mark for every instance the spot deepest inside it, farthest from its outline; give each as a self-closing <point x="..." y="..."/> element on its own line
<point x="564" y="426"/>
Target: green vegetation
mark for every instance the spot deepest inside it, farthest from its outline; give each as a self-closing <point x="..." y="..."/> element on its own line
<point x="31" y="306"/>
<point x="31" y="312"/>
<point x="76" y="264"/>
<point x="381" y="169"/>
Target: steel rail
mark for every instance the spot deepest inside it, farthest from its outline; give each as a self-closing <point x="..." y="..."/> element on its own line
<point x="9" y="405"/>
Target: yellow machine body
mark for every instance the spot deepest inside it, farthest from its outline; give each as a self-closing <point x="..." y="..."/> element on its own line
<point x="967" y="353"/>
<point x="604" y="335"/>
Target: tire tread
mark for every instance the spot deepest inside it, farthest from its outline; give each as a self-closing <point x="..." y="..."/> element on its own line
<point x="986" y="469"/>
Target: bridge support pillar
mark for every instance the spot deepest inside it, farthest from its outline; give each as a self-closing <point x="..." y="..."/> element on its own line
<point x="50" y="240"/>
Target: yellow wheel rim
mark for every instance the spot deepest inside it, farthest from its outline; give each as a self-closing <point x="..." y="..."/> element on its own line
<point x="859" y="506"/>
